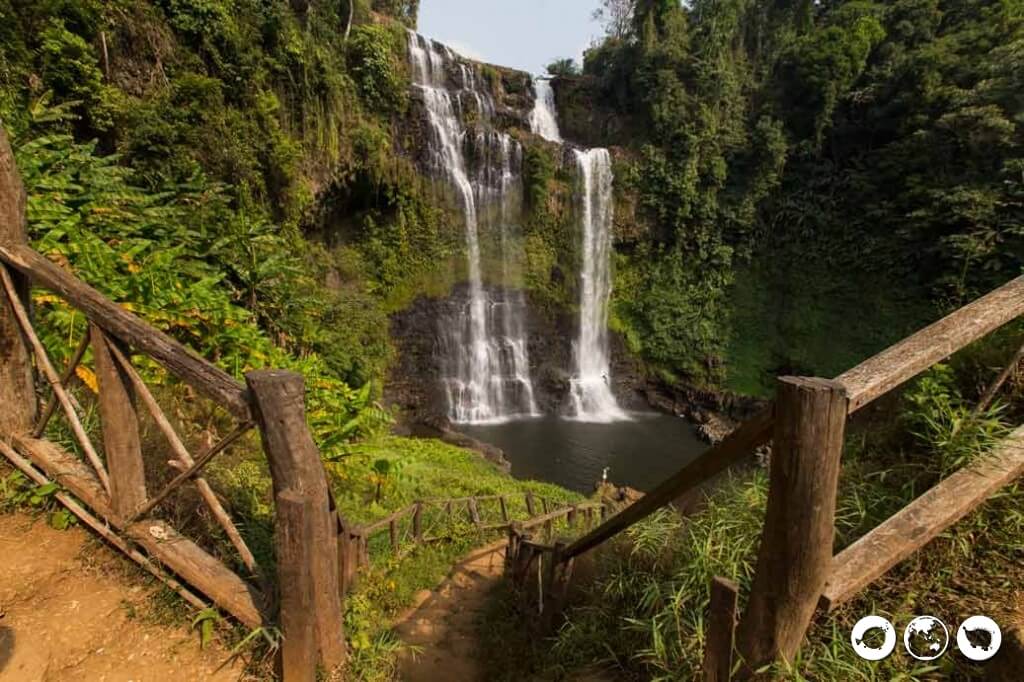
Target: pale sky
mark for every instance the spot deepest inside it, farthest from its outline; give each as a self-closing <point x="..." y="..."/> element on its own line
<point x="524" y="34"/>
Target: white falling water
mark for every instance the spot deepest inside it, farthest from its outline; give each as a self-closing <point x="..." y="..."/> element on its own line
<point x="592" y="396"/>
<point x="485" y="365"/>
<point x="543" y="119"/>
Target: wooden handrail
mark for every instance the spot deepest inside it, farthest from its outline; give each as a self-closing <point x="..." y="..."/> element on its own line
<point x="737" y="445"/>
<point x="921" y="521"/>
<point x="208" y="379"/>
<point x="916" y="353"/>
<point x="382" y="523"/>
<point x="864" y="383"/>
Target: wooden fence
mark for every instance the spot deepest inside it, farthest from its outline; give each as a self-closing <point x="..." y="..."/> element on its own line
<point x="428" y="521"/>
<point x="317" y="552"/>
<point x="796" y="571"/>
<point x="107" y="488"/>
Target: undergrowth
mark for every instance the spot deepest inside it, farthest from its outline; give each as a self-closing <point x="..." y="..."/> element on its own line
<point x="641" y="611"/>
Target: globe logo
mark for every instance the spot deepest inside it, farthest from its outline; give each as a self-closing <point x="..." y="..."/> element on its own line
<point x="873" y="638"/>
<point x="979" y="638"/>
<point x="926" y="638"/>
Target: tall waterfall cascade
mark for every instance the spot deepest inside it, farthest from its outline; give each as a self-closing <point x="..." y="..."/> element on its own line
<point x="592" y="395"/>
<point x="543" y="118"/>
<point x="485" y="367"/>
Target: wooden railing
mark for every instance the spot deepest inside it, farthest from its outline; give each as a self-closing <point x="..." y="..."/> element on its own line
<point x="796" y="571"/>
<point x="317" y="552"/>
<point x="429" y="521"/>
<point x="107" y="487"/>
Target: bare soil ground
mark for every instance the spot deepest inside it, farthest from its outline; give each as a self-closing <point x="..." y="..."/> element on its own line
<point x="444" y="623"/>
<point x="67" y="608"/>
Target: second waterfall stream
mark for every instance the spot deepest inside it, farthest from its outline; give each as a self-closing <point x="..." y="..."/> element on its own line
<point x="591" y="392"/>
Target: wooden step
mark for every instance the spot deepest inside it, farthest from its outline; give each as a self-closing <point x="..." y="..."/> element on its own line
<point x="922" y="520"/>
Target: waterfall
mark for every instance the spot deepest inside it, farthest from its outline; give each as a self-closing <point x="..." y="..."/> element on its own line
<point x="485" y="364"/>
<point x="543" y="119"/>
<point x="591" y="386"/>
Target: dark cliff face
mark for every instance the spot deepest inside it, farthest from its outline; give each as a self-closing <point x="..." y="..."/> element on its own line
<point x="414" y="386"/>
<point x="587" y="115"/>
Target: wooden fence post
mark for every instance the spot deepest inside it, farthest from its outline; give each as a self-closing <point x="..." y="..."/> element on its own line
<point x="296" y="470"/>
<point x="120" y="424"/>
<point x="294" y="538"/>
<point x="17" y="378"/>
<point x="721" y="630"/>
<point x="796" y="542"/>
<point x="417" y="523"/>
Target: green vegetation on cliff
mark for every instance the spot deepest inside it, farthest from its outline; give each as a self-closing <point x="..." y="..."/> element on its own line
<point x="175" y="154"/>
<point x="797" y="166"/>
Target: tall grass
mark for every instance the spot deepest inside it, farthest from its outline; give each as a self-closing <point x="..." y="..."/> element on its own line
<point x="642" y="615"/>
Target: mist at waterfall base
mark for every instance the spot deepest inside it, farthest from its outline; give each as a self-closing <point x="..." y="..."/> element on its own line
<point x="639" y="453"/>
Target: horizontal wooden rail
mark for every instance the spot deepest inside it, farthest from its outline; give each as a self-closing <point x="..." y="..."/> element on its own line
<point x="918" y="352"/>
<point x="160" y="541"/>
<point x="922" y="520"/>
<point x="734" y="447"/>
<point x="101" y="527"/>
<point x="381" y="524"/>
<point x="556" y="514"/>
<point x="208" y="379"/>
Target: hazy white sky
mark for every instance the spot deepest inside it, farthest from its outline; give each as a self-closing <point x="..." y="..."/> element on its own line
<point x="525" y="34"/>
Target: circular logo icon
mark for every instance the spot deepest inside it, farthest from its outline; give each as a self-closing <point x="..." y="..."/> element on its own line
<point x="979" y="638"/>
<point x="866" y="635"/>
<point x="926" y="638"/>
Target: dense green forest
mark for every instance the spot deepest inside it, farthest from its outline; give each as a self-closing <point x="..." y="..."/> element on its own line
<point x="783" y="168"/>
<point x="798" y="184"/>
<point x="795" y="166"/>
<point x="174" y="153"/>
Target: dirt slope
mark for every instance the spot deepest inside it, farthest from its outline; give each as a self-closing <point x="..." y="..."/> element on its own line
<point x="66" y="605"/>
<point x="444" y="623"/>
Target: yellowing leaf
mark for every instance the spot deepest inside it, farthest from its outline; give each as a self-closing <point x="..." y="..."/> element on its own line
<point x="45" y="298"/>
<point x="88" y="378"/>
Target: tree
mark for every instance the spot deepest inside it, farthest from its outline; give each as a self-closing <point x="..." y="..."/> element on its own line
<point x="563" y="66"/>
<point x="617" y="17"/>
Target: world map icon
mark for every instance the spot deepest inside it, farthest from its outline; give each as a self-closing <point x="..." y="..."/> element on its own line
<point x="926" y="638"/>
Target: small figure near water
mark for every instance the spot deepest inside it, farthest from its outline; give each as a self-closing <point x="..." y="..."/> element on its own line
<point x="605" y="377"/>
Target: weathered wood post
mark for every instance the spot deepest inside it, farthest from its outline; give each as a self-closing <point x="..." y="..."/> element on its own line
<point x="721" y="630"/>
<point x="796" y="542"/>
<point x="17" y="378"/>
<point x="301" y="498"/>
<point x="417" y="523"/>
<point x="295" y="541"/>
<point x="120" y="424"/>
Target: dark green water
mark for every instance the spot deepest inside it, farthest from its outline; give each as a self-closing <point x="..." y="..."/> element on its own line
<point x="639" y="453"/>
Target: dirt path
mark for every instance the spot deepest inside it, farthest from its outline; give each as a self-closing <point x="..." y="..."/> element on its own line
<point x="65" y="606"/>
<point x="444" y="623"/>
